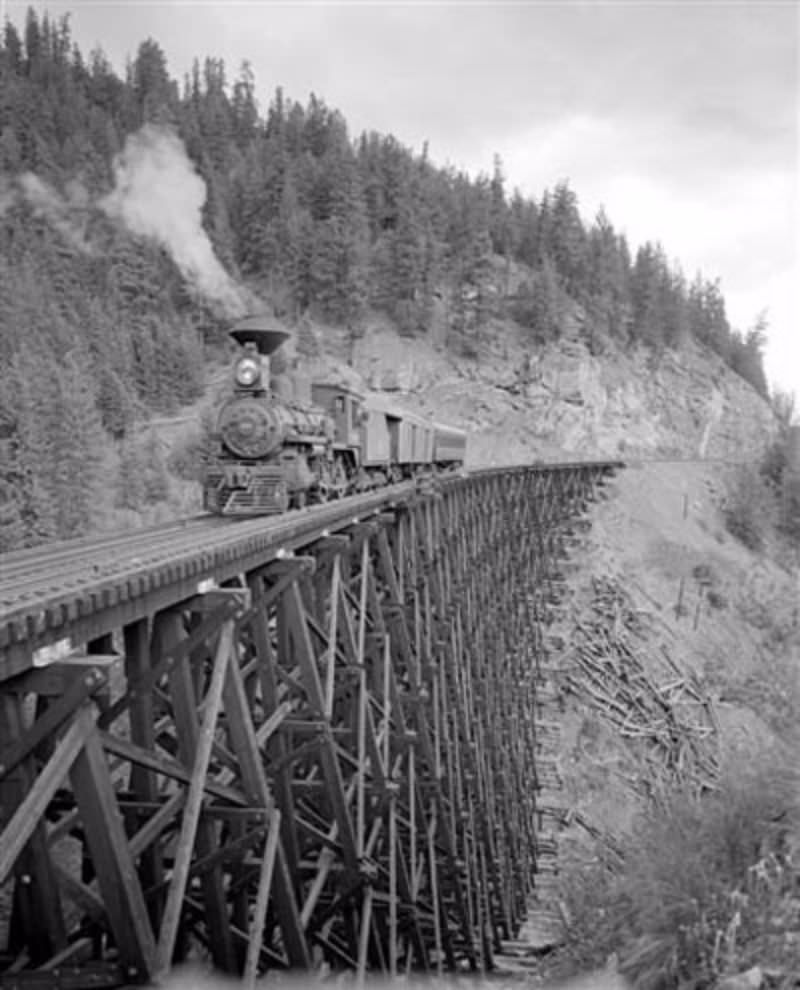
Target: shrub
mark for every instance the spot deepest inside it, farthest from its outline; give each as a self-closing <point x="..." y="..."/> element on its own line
<point x="706" y="884"/>
<point x="142" y="478"/>
<point x="190" y="453"/>
<point x="750" y="507"/>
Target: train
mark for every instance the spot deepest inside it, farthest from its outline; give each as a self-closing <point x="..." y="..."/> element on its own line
<point x="270" y="452"/>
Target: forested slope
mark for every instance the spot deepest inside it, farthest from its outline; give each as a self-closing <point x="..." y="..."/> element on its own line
<point x="139" y="214"/>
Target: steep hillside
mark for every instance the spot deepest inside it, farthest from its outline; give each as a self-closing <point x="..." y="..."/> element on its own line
<point x="562" y="400"/>
<point x="681" y="658"/>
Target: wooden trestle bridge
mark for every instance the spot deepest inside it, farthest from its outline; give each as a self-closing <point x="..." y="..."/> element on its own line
<point x="294" y="742"/>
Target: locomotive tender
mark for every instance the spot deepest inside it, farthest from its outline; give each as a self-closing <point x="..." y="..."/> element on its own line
<point x="272" y="453"/>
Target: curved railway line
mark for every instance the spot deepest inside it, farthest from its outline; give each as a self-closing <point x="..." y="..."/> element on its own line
<point x="98" y="583"/>
<point x="46" y="588"/>
<point x="315" y="739"/>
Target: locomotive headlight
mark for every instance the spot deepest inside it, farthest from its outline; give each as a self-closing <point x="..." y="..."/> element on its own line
<point x="247" y="372"/>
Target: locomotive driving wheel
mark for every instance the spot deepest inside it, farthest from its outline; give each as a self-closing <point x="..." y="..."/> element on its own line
<point x="332" y="483"/>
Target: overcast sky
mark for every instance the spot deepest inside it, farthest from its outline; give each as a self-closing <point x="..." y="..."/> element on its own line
<point x="681" y="118"/>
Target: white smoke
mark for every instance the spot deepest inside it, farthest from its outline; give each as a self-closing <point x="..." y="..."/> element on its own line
<point x="158" y="193"/>
<point x="7" y="195"/>
<point x="68" y="215"/>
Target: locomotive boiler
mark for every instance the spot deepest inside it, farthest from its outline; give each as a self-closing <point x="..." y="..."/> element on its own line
<point x="271" y="452"/>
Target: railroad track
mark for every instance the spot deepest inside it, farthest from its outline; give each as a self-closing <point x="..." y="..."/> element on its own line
<point x="27" y="573"/>
<point x="49" y="588"/>
<point x="338" y="724"/>
<point x="87" y="587"/>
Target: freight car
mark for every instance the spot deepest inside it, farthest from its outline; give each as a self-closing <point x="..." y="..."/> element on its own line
<point x="271" y="452"/>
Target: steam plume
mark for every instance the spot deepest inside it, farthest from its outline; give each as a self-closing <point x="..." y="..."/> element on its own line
<point x="158" y="194"/>
<point x="63" y="214"/>
<point x="7" y="196"/>
<point x="67" y="214"/>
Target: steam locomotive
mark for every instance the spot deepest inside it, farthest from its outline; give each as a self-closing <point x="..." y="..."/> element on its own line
<point x="271" y="452"/>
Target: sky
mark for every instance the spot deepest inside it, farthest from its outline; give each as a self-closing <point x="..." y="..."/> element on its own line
<point x="681" y="119"/>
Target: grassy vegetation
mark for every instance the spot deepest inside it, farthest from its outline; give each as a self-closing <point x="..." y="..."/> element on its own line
<point x="750" y="509"/>
<point x="189" y="454"/>
<point x="762" y="504"/>
<point x="706" y="885"/>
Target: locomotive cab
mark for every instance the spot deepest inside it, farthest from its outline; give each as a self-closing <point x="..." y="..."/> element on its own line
<point x="345" y="409"/>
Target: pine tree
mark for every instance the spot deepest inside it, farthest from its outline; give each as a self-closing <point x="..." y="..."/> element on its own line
<point x="499" y="219"/>
<point x="540" y="305"/>
<point x="155" y="95"/>
<point x="567" y="242"/>
<point x="155" y="478"/>
<point x="30" y="447"/>
<point x="244" y="110"/>
<point x="77" y="448"/>
<point x="607" y="281"/>
<point x="130" y="485"/>
<point x="646" y="298"/>
<point x="746" y="354"/>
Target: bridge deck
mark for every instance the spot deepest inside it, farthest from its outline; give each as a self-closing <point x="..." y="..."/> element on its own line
<point x="281" y="743"/>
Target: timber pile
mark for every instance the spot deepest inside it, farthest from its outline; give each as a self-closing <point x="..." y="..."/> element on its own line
<point x="622" y="667"/>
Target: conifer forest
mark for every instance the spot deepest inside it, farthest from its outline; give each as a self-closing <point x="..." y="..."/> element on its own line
<point x="100" y="325"/>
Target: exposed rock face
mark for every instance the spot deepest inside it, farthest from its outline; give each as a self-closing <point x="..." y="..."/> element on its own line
<point x="562" y="400"/>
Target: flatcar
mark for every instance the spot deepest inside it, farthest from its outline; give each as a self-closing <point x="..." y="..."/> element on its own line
<point x="270" y="452"/>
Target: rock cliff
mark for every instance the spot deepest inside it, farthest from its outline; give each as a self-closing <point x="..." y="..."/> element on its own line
<point x="561" y="400"/>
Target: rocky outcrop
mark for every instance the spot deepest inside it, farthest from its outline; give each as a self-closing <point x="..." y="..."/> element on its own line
<point x="562" y="400"/>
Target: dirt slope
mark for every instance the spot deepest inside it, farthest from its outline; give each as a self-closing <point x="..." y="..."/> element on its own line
<point x="726" y="619"/>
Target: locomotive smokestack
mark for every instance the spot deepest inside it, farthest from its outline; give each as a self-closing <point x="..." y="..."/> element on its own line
<point x="274" y="342"/>
<point x="265" y="332"/>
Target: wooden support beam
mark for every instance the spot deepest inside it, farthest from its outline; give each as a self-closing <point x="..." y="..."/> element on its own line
<point x="29" y="813"/>
<point x="111" y="856"/>
<point x="194" y="746"/>
<point x="254" y="782"/>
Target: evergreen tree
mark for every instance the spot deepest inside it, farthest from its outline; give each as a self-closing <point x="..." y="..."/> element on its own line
<point x="540" y="305"/>
<point x="608" y="280"/>
<point x="321" y="224"/>
<point x="244" y="110"/>
<point x="153" y="92"/>
<point x="499" y="222"/>
<point x="747" y="354"/>
<point x="566" y="241"/>
<point x="646" y="297"/>
<point x="130" y="486"/>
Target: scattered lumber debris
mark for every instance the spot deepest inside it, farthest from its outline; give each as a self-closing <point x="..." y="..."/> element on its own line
<point x="621" y="665"/>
